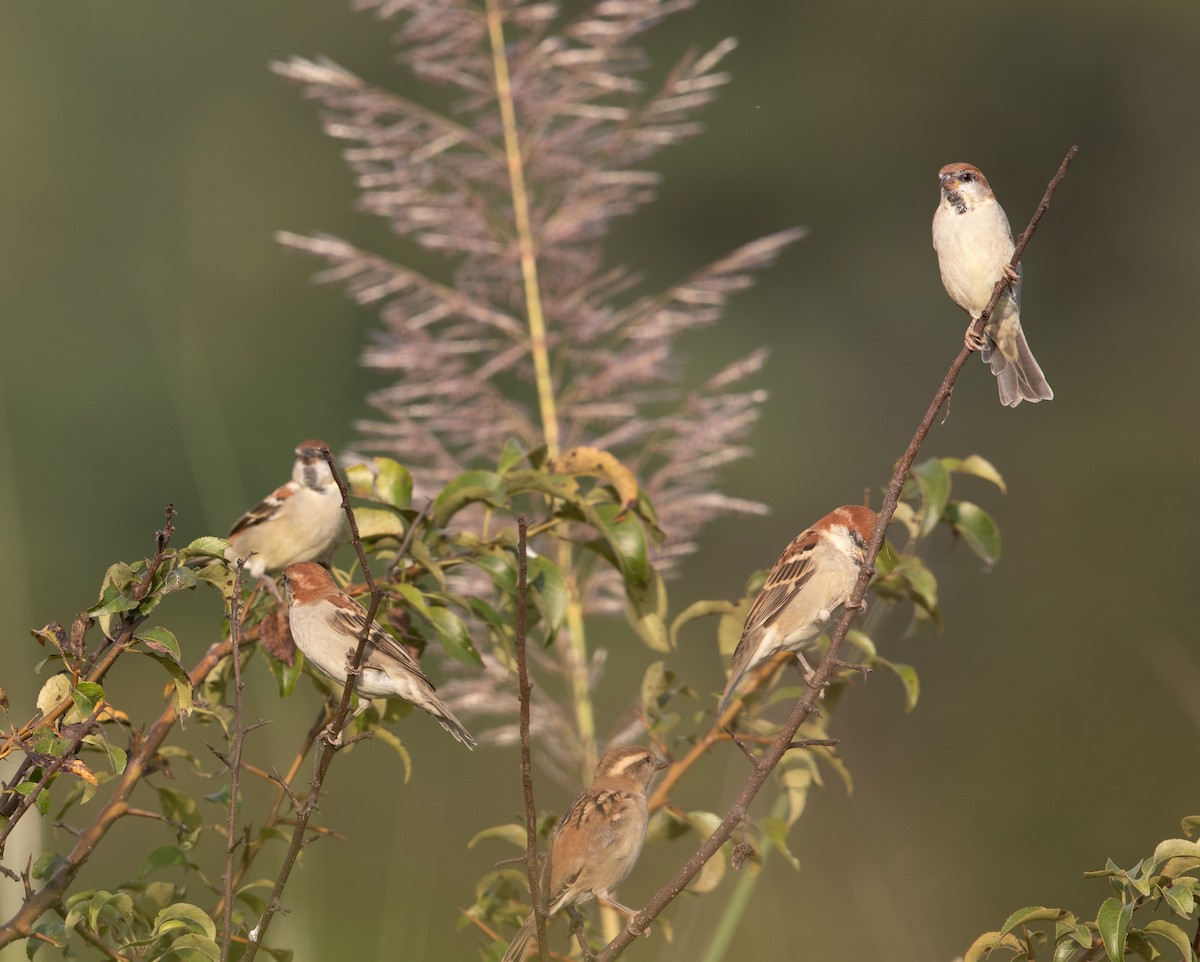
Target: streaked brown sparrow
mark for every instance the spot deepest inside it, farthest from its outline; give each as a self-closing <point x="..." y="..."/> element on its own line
<point x="326" y="624"/>
<point x="598" y="840"/>
<point x="804" y="590"/>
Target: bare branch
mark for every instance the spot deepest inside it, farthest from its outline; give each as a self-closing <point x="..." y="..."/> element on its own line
<point x="235" y="764"/>
<point x="523" y="692"/>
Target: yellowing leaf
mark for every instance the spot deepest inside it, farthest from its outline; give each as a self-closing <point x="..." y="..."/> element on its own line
<point x="593" y="462"/>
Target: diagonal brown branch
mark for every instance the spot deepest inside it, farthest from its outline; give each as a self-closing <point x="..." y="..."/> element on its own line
<point x="779" y="747"/>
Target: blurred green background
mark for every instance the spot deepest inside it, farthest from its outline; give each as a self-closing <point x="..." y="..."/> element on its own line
<point x="159" y="346"/>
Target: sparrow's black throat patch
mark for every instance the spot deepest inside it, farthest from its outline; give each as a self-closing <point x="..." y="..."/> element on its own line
<point x="956" y="201"/>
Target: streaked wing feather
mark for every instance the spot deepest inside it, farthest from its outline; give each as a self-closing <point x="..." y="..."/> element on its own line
<point x="264" y="510"/>
<point x="782" y="584"/>
<point x="349" y="622"/>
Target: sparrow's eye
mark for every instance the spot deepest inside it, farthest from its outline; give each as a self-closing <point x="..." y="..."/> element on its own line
<point x="967" y="176"/>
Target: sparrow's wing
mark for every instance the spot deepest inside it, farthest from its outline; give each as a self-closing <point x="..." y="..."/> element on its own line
<point x="581" y="840"/>
<point x="787" y="577"/>
<point x="349" y="621"/>
<point x="266" y="509"/>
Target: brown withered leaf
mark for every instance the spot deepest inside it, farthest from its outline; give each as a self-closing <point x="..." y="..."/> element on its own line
<point x="76" y="767"/>
<point x="275" y="635"/>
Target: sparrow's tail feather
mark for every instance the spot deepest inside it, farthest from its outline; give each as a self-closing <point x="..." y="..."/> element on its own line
<point x="1020" y="379"/>
<point x="520" y="942"/>
<point x="445" y="717"/>
<point x="731" y="688"/>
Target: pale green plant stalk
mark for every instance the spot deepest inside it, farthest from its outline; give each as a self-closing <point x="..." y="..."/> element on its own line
<point x="576" y="668"/>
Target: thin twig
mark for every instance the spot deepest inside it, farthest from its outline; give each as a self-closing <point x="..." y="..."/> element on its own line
<point x="305" y="810"/>
<point x="235" y="764"/>
<point x="779" y="747"/>
<point x="523" y="693"/>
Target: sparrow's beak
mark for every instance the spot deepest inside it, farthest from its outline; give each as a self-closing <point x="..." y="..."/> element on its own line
<point x="660" y="764"/>
<point x="949" y="181"/>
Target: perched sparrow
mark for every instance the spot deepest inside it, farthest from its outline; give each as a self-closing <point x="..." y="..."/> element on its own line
<point x="326" y="624"/>
<point x="598" y="840"/>
<point x="301" y="521"/>
<point x="805" y="588"/>
<point x="974" y="246"/>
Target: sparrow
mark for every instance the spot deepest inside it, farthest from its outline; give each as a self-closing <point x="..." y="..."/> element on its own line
<point x="806" y="586"/>
<point x="974" y="246"/>
<point x="596" y="843"/>
<point x="301" y="521"/>
<point x="326" y="624"/>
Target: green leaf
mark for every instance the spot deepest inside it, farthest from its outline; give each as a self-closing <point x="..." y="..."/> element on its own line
<point x="179" y="578"/>
<point x="56" y="688"/>
<point x="1175" y="848"/>
<point x="285" y="675"/>
<point x="977" y="466"/>
<point x="627" y="538"/>
<point x="208" y="546"/>
<point x="709" y="877"/>
<point x="117" y="757"/>
<point x="698" y="609"/>
<point x="118" y="904"/>
<point x="934" y="485"/>
<point x="729" y="628"/>
<point x="656" y="688"/>
<point x="164" y="857"/>
<point x="512" y="454"/>
<point x="113" y="602"/>
<point x="47" y="864"/>
<point x="179" y="807"/>
<point x="185" y="915"/>
<point x="501" y="566"/>
<point x="160" y="640"/>
<point x="977" y="528"/>
<point x="1181" y="899"/>
<point x="1173" y="934"/>
<point x="908" y="678"/>
<point x="453" y="634"/>
<point x="549" y="594"/>
<point x="775" y="831"/>
<point x="190" y="942"/>
<point x="485" y="486"/>
<point x="487" y="614"/>
<point x="378" y="523"/>
<point x="381" y="479"/>
<point x="796" y="779"/>
<point x="390" y="738"/>
<point x="423" y="556"/>
<point x="27" y="788"/>
<point x="86" y="696"/>
<point x="509" y="832"/>
<point x="1190" y="825"/>
<point x="1113" y="922"/>
<point x="983" y="945"/>
<point x="526" y="481"/>
<point x="183" y="684"/>
<point x="647" y="609"/>
<point x="1032" y="913"/>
